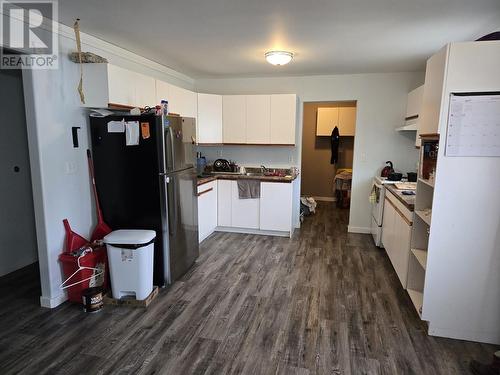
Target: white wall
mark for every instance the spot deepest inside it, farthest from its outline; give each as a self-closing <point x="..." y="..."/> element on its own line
<point x="53" y="107"/>
<point x="381" y="105"/>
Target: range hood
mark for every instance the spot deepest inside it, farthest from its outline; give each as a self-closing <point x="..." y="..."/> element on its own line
<point x="411" y="124"/>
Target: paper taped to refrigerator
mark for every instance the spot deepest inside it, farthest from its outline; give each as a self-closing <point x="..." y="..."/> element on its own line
<point x="116" y="126"/>
<point x="473" y="126"/>
<point x="132" y="133"/>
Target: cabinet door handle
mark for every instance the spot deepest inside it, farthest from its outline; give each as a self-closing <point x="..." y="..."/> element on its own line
<point x="204" y="192"/>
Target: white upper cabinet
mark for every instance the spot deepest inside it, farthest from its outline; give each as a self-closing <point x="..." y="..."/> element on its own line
<point x="347" y="121"/>
<point x="258" y="119"/>
<point x="183" y="102"/>
<point x="234" y="119"/>
<point x="343" y="117"/>
<point x="327" y="119"/>
<point x="106" y="84"/>
<point x="121" y="85"/>
<point x="162" y="91"/>
<point x="433" y="90"/>
<point x="414" y="102"/>
<point x="209" y="118"/>
<point x="283" y="119"/>
<point x="145" y="91"/>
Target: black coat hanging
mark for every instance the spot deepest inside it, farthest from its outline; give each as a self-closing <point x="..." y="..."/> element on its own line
<point x="335" y="140"/>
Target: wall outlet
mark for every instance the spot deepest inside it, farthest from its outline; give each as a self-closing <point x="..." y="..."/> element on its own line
<point x="363" y="157"/>
<point x="219" y="153"/>
<point x="290" y="158"/>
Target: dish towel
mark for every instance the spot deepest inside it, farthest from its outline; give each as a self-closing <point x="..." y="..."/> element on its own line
<point x="373" y="195"/>
<point x="248" y="189"/>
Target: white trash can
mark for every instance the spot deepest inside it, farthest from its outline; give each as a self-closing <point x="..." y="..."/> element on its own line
<point x="130" y="256"/>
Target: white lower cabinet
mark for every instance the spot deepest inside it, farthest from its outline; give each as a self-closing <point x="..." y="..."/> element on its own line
<point x="244" y="212"/>
<point x="276" y="206"/>
<point x="207" y="209"/>
<point x="224" y="217"/>
<point x="272" y="212"/>
<point x="396" y="236"/>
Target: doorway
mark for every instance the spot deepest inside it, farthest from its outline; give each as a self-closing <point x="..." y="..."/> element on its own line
<point x="318" y="169"/>
<point x="18" y="246"/>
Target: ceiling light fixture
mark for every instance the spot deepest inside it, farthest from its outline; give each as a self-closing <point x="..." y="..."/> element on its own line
<point x="278" y="57"/>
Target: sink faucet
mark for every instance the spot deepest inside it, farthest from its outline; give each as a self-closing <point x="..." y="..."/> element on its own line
<point x="263" y="168"/>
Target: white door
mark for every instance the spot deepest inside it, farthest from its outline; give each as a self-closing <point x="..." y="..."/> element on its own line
<point x="224" y="201"/>
<point x="234" y="119"/>
<point x="209" y="118"/>
<point x="276" y="206"/>
<point x="283" y="119"/>
<point x="244" y="212"/>
<point x="258" y="119"/>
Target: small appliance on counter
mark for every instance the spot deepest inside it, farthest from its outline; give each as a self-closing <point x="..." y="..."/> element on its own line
<point x="411" y="176"/>
<point x="223" y="165"/>
<point x="388" y="169"/>
<point x="395" y="176"/>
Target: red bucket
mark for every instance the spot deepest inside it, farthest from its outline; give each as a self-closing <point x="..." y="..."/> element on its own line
<point x="93" y="272"/>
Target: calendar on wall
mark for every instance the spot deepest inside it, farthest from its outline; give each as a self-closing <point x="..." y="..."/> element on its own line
<point x="473" y="125"/>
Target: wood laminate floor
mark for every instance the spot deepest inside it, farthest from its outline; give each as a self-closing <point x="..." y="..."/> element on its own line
<point x="324" y="302"/>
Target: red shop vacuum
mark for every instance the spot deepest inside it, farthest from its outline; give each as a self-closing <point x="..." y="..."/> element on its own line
<point x="85" y="263"/>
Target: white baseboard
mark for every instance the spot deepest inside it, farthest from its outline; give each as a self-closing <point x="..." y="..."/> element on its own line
<point x="53" y="302"/>
<point x="365" y="230"/>
<point x="325" y="199"/>
<point x="469" y="335"/>
<point x="253" y="231"/>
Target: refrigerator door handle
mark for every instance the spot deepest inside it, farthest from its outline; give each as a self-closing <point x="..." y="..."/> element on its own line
<point x="172" y="206"/>
<point x="170" y="147"/>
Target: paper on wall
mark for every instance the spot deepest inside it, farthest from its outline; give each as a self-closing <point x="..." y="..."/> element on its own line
<point x="116" y="126"/>
<point x="132" y="133"/>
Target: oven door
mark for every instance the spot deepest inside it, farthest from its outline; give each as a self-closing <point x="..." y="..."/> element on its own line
<point x="376" y="231"/>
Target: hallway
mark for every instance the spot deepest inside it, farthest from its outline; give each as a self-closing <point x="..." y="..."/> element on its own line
<point x="324" y="302"/>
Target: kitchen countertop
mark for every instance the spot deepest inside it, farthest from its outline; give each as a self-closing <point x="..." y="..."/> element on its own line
<point x="206" y="179"/>
<point x="407" y="200"/>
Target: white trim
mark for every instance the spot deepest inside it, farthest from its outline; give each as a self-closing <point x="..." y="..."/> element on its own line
<point x="466" y="334"/>
<point x="53" y="302"/>
<point x="364" y="230"/>
<point x="253" y="231"/>
<point x="109" y="48"/>
<point x="325" y="199"/>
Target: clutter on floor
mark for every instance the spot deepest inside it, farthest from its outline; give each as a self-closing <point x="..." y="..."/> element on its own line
<point x="307" y="207"/>
<point x="343" y="182"/>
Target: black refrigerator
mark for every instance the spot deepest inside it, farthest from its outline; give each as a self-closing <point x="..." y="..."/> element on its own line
<point x="146" y="179"/>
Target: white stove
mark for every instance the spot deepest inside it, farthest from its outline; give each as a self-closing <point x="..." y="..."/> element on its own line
<point x="378" y="208"/>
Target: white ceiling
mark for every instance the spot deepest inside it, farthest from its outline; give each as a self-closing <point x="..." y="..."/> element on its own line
<point x="228" y="38"/>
